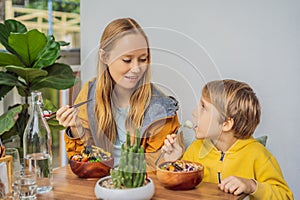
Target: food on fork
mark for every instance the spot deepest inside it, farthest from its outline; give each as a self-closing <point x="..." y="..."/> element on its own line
<point x="188" y="124"/>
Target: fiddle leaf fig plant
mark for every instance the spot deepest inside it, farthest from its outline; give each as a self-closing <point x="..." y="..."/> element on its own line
<point x="28" y="64"/>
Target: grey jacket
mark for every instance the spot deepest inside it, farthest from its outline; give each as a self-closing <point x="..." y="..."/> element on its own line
<point x="160" y="108"/>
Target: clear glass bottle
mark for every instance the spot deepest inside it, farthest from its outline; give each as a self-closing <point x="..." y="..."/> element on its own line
<point x="37" y="145"/>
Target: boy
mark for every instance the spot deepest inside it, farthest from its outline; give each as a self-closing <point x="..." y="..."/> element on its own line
<point x="225" y="120"/>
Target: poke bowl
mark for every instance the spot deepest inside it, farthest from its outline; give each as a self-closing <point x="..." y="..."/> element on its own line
<point x="180" y="174"/>
<point x="93" y="162"/>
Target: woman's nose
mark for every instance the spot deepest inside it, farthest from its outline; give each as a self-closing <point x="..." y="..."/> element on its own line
<point x="135" y="67"/>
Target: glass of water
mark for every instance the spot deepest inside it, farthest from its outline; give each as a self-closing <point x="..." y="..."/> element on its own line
<point x="25" y="185"/>
<point x="16" y="158"/>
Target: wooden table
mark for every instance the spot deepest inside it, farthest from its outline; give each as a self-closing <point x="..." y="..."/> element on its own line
<point x="69" y="186"/>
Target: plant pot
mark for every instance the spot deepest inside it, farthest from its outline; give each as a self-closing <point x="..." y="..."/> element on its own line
<point x="145" y="192"/>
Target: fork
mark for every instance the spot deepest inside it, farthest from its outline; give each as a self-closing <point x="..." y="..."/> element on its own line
<point x="52" y="115"/>
<point x="187" y="124"/>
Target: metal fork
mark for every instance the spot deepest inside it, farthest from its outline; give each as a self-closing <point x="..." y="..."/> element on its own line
<point x="52" y="115"/>
<point x="163" y="151"/>
<point x="187" y="124"/>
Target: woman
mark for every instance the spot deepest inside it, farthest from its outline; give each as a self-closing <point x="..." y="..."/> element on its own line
<point x="123" y="98"/>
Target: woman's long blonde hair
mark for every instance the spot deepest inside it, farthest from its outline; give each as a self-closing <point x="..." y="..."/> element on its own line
<point x="140" y="98"/>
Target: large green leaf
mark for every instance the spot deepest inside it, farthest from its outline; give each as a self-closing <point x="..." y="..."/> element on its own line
<point x="48" y="105"/>
<point x="7" y="119"/>
<point x="9" y="80"/>
<point x="55" y="126"/>
<point x="63" y="43"/>
<point x="53" y="123"/>
<point x="9" y="59"/>
<point x="49" y="54"/>
<point x="28" y="74"/>
<point x="4" y="89"/>
<point x="15" y="26"/>
<point x="60" y="76"/>
<point x="18" y="128"/>
<point x="28" y="45"/>
<point x="9" y="26"/>
<point x="23" y="92"/>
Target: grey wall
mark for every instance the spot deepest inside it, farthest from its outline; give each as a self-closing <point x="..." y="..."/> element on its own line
<point x="196" y="41"/>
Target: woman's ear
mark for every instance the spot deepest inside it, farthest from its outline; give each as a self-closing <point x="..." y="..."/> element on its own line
<point x="228" y="124"/>
<point x="103" y="56"/>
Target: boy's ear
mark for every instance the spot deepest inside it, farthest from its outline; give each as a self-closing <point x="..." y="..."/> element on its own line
<point x="228" y="124"/>
<point x="103" y="56"/>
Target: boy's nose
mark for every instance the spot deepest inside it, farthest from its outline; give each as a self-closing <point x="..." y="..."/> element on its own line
<point x="195" y="116"/>
<point x="195" y="113"/>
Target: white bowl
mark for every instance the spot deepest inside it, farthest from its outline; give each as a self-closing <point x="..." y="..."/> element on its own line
<point x="145" y="192"/>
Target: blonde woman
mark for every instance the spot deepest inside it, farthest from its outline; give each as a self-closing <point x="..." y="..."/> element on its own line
<point x="123" y="98"/>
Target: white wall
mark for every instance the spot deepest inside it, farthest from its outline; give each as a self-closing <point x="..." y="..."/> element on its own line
<point x="196" y="41"/>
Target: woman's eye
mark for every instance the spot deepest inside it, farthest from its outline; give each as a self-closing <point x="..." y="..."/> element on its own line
<point x="143" y="59"/>
<point x="127" y="60"/>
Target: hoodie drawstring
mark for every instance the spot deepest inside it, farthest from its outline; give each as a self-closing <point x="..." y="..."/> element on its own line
<point x="220" y="166"/>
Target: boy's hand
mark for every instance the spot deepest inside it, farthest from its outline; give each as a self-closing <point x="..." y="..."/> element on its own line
<point x="237" y="185"/>
<point x="172" y="148"/>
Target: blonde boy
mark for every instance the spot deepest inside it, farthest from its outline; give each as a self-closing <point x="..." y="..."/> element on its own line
<point x="225" y="120"/>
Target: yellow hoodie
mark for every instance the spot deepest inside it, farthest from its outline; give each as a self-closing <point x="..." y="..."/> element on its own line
<point x="246" y="158"/>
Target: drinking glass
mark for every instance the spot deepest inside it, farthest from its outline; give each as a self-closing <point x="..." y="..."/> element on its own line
<point x="16" y="166"/>
<point x="25" y="185"/>
<point x="16" y="158"/>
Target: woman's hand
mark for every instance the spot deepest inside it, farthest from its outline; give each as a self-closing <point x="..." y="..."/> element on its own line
<point x="237" y="185"/>
<point x="66" y="116"/>
<point x="172" y="148"/>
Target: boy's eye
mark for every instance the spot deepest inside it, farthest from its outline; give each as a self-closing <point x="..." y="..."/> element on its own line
<point x="202" y="107"/>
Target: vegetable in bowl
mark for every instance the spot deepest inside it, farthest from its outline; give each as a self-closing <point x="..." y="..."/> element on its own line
<point x="180" y="166"/>
<point x="92" y="154"/>
<point x="92" y="162"/>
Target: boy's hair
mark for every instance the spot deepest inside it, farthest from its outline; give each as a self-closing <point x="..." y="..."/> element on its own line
<point x="234" y="100"/>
